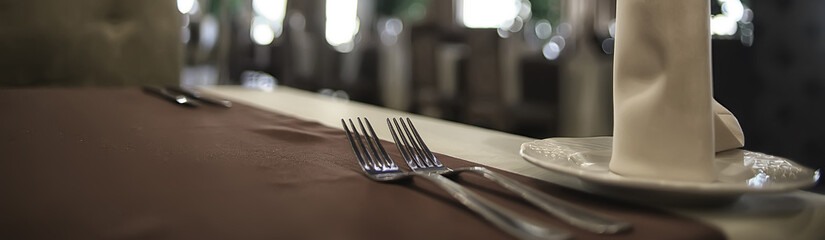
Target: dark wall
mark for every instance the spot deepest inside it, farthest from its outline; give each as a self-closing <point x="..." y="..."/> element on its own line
<point x="777" y="87"/>
<point x="89" y="43"/>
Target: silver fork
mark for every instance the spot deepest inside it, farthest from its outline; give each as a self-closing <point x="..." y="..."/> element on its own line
<point x="420" y="159"/>
<point x="378" y="166"/>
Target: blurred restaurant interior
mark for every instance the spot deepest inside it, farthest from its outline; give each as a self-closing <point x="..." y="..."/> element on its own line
<point x="537" y="68"/>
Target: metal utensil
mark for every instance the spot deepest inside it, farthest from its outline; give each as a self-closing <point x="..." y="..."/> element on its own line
<point x="199" y="97"/>
<point x="420" y="159"/>
<point x="378" y="166"/>
<point x="175" y="98"/>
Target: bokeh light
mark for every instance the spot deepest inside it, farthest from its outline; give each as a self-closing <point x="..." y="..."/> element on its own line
<point x="543" y="29"/>
<point x="261" y="32"/>
<point x="551" y="50"/>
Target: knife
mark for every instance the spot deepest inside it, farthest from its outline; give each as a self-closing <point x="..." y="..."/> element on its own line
<point x="175" y="98"/>
<point x="197" y="96"/>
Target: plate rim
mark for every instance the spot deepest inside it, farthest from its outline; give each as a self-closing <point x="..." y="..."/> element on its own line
<point x="711" y="188"/>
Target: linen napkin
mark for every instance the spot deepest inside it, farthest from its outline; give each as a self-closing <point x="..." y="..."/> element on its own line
<point x="664" y="112"/>
<point x="728" y="133"/>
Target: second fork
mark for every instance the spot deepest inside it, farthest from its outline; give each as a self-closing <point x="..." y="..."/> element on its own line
<point x="420" y="159"/>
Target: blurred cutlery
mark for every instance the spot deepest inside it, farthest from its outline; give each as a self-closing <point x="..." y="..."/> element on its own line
<point x="175" y="98"/>
<point x="193" y="94"/>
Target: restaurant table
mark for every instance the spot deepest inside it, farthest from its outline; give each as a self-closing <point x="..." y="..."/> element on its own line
<point x="116" y="163"/>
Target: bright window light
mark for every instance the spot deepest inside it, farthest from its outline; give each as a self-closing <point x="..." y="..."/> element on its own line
<point x="733" y="9"/>
<point x="274" y="10"/>
<point x="723" y="25"/>
<point x="342" y="23"/>
<point x="184" y="6"/>
<point x="487" y="13"/>
<point x="272" y="13"/>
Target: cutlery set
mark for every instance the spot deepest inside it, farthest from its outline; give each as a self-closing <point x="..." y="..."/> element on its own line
<point x="184" y="96"/>
<point x="378" y="166"/>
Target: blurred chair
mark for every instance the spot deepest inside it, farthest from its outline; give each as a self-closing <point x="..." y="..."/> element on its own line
<point x="89" y="42"/>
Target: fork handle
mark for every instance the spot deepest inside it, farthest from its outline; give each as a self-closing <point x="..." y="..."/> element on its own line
<point x="511" y="222"/>
<point x="572" y="214"/>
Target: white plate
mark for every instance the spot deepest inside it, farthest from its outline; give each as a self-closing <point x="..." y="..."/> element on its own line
<point x="739" y="171"/>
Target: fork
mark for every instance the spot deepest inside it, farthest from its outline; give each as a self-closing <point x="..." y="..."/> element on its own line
<point x="378" y="166"/>
<point x="420" y="159"/>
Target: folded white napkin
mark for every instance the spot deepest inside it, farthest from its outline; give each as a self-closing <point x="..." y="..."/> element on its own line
<point x="728" y="133"/>
<point x="664" y="112"/>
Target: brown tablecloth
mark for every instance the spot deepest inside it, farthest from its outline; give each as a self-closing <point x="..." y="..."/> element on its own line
<point x="121" y="164"/>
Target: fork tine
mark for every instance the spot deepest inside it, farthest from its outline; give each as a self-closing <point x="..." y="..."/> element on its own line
<point x="406" y="155"/>
<point x="365" y="153"/>
<point x="420" y="140"/>
<point x="383" y="157"/>
<point x="379" y="165"/>
<point x="386" y="156"/>
<point x="414" y="161"/>
<point x="415" y="146"/>
<point x="351" y="139"/>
